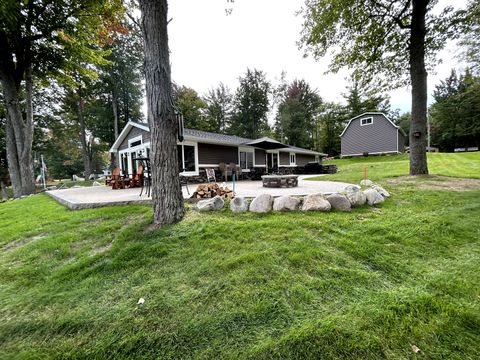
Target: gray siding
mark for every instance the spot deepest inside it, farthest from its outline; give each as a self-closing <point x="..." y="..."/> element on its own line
<point x="134" y="131"/>
<point x="378" y="137"/>
<point x="215" y="154"/>
<point x="303" y="159"/>
<point x="284" y="158"/>
<point x="259" y="157"/>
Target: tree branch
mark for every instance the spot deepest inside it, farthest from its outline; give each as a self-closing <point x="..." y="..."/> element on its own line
<point x="396" y="18"/>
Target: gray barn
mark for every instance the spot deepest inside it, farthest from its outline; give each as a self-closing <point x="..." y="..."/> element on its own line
<point x="372" y="133"/>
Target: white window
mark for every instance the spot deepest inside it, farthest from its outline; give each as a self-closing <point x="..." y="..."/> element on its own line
<point x="293" y="159"/>
<point x="188" y="158"/>
<point x="366" y="121"/>
<point x="136" y="141"/>
<point x="246" y="159"/>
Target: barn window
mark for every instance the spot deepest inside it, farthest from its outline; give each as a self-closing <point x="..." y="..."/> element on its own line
<point x="366" y="121"/>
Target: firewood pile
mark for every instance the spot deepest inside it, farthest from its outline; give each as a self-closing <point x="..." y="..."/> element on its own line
<point x="211" y="190"/>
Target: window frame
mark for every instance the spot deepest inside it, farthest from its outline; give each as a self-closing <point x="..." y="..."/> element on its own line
<point x="195" y="146"/>
<point x="366" y="123"/>
<point x="246" y="151"/>
<point x="134" y="140"/>
<point x="294" y="163"/>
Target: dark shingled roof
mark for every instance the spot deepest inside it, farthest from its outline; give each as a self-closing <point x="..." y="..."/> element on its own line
<point x="230" y="139"/>
<point x="227" y="139"/>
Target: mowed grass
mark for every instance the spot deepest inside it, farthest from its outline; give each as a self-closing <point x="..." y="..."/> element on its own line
<point x="380" y="167"/>
<point x="368" y="284"/>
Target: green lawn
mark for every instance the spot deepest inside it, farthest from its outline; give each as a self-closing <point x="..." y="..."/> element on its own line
<point x="380" y="167"/>
<point x="362" y="285"/>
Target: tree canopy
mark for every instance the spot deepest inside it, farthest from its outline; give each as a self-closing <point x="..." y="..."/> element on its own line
<point x="393" y="43"/>
<point x="41" y="40"/>
<point x="296" y="114"/>
<point x="456" y="112"/>
<point x="251" y="105"/>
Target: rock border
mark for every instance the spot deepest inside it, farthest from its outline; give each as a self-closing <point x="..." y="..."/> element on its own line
<point x="353" y="196"/>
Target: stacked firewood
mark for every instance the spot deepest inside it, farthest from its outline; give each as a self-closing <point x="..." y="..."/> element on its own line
<point x="211" y="190"/>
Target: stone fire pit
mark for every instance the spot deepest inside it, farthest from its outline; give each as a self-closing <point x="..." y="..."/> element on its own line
<point x="287" y="181"/>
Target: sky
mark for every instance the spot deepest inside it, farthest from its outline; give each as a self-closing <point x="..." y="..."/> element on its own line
<point x="209" y="47"/>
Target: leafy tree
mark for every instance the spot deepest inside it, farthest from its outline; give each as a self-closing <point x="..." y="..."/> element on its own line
<point x="38" y="39"/>
<point x="404" y="122"/>
<point x="456" y="112"/>
<point x="471" y="38"/>
<point x="193" y="108"/>
<point x="251" y="105"/>
<point x="393" y="38"/>
<point x="121" y="79"/>
<point x="296" y="115"/>
<point x="59" y="143"/>
<point x="330" y="124"/>
<point x="166" y="191"/>
<point x="219" y="108"/>
<point x="366" y="98"/>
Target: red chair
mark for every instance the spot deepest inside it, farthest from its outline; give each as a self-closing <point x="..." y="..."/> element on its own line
<point x="116" y="181"/>
<point x="137" y="179"/>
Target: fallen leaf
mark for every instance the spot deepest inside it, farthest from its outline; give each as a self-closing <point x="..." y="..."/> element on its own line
<point x="141" y="301"/>
<point x="415" y="349"/>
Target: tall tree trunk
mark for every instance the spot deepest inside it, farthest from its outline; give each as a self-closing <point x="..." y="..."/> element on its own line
<point x="86" y="145"/>
<point x="4" y="190"/>
<point x="418" y="76"/>
<point x="115" y="112"/>
<point x="125" y="106"/>
<point x="19" y="137"/>
<point x="114" y="157"/>
<point x="166" y="190"/>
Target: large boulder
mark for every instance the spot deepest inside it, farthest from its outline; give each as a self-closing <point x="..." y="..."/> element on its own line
<point x="239" y="204"/>
<point x="366" y="182"/>
<point x="262" y="203"/>
<point x="355" y="196"/>
<point x="215" y="203"/>
<point x="285" y="203"/>
<point x="352" y="188"/>
<point x="339" y="202"/>
<point x="373" y="197"/>
<point x="381" y="191"/>
<point x="315" y="202"/>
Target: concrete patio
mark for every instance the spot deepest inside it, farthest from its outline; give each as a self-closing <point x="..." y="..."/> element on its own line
<point x="98" y="196"/>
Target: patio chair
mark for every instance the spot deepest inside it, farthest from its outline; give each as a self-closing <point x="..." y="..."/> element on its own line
<point x="116" y="181"/>
<point x="210" y="175"/>
<point x="137" y="179"/>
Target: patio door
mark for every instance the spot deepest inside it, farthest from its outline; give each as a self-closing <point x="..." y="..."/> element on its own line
<point x="272" y="162"/>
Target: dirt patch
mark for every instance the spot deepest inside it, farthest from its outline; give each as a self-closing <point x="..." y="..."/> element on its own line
<point x="94" y="221"/>
<point x="435" y="182"/>
<point x="100" y="249"/>
<point x="21" y="242"/>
